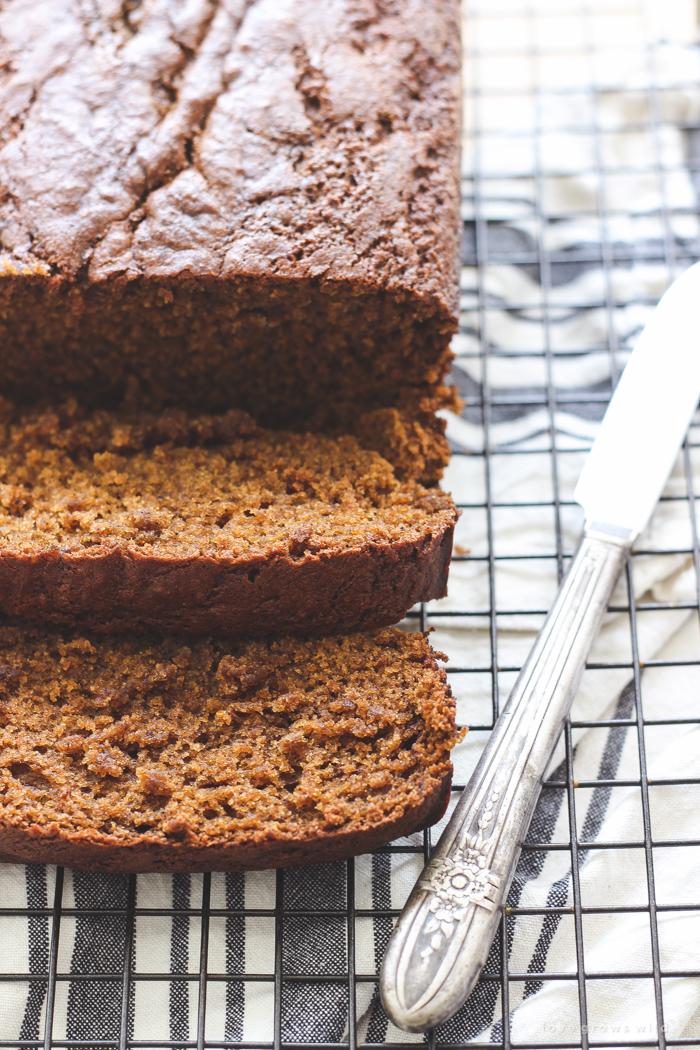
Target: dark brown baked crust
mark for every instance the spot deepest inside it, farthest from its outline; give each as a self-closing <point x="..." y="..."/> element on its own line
<point x="200" y="524"/>
<point x="139" y="754"/>
<point x="265" y="194"/>
<point x="83" y="853"/>
<point x="122" y="591"/>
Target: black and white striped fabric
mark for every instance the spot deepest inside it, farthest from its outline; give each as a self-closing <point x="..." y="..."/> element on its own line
<point x="589" y="306"/>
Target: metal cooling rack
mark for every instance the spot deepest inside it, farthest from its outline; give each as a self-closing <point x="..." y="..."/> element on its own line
<point x="484" y="247"/>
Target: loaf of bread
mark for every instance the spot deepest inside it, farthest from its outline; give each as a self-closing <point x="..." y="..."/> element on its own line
<point x="233" y="203"/>
<point x="229" y="233"/>
<point x="177" y="523"/>
<point x="136" y="754"/>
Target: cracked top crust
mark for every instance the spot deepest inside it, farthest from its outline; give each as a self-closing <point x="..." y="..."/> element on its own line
<point x="287" y="138"/>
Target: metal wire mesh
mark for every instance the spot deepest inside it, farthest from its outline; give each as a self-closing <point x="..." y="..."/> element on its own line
<point x="488" y="244"/>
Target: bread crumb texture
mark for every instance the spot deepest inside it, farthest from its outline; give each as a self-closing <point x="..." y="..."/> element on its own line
<point x="171" y="485"/>
<point x="136" y="741"/>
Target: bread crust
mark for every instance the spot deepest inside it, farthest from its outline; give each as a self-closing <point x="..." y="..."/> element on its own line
<point x="91" y="852"/>
<point x="123" y="590"/>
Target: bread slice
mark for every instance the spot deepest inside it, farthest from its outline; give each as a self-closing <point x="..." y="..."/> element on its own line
<point x="138" y="754"/>
<point x="264" y="193"/>
<point x="207" y="524"/>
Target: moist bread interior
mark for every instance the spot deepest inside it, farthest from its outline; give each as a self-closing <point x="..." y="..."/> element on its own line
<point x="136" y="740"/>
<point x="177" y="486"/>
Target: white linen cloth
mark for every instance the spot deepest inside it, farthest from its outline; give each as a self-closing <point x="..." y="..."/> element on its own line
<point x="613" y="77"/>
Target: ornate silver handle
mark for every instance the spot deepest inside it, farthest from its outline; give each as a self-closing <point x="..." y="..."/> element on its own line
<point x="445" y="931"/>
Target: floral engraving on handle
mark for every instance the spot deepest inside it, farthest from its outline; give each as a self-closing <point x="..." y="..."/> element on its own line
<point x="461" y="879"/>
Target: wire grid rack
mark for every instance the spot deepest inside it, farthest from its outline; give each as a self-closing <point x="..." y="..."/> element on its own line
<point x="485" y="246"/>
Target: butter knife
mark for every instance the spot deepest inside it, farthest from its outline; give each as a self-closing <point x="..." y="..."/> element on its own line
<point x="444" y="934"/>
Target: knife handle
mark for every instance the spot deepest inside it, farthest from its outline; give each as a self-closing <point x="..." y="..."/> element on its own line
<point x="444" y="934"/>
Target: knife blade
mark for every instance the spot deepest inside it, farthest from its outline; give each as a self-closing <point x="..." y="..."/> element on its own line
<point x="645" y="423"/>
<point x="444" y="933"/>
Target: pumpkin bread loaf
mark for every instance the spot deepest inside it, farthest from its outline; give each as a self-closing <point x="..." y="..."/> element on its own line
<point x="202" y="524"/>
<point x="238" y="203"/>
<point x="229" y="230"/>
<point x="141" y="754"/>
